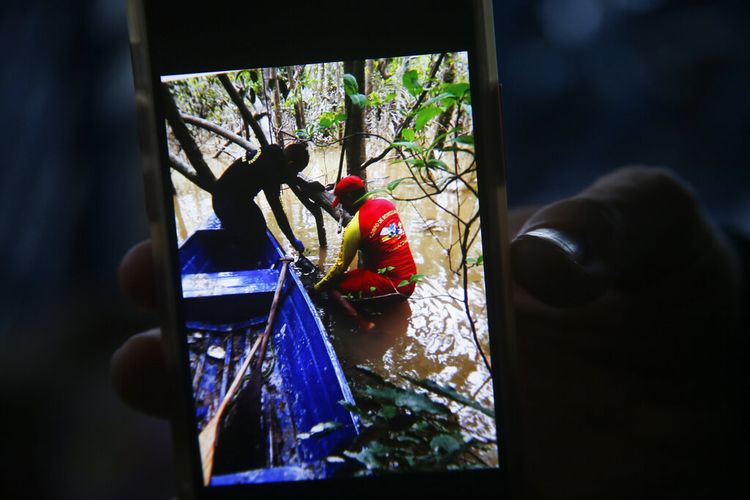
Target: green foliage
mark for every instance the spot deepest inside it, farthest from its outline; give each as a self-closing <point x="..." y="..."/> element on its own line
<point x="406" y="430"/>
<point x="414" y="278"/>
<point x="386" y="269"/>
<point x="351" y="88"/>
<point x="424" y="115"/>
<point x="411" y="82"/>
<point x="478" y="261"/>
<point x="450" y="393"/>
<point x="463" y="139"/>
<point x="350" y="85"/>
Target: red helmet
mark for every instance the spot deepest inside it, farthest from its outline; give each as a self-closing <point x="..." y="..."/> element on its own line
<point x="349" y="184"/>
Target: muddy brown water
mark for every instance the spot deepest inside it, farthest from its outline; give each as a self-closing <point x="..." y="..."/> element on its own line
<point x="429" y="336"/>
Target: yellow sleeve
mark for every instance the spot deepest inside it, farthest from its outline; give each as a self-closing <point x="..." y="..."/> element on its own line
<point x="349" y="247"/>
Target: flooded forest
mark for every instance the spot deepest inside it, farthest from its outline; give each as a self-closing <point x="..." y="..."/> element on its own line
<point x="422" y="383"/>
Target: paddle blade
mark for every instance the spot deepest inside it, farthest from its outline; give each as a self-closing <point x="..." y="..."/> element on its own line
<point x="207" y="442"/>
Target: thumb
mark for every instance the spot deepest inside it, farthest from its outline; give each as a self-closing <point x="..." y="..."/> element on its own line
<point x="624" y="231"/>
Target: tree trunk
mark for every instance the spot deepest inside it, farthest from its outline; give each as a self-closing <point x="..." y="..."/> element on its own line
<point x="277" y="106"/>
<point x="444" y="120"/>
<point x="296" y="72"/>
<point x="246" y="114"/>
<point x="355" y="141"/>
<point x="183" y="136"/>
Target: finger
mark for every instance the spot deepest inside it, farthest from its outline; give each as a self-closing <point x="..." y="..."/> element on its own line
<point x="625" y="230"/>
<point x="139" y="375"/>
<point x="137" y="277"/>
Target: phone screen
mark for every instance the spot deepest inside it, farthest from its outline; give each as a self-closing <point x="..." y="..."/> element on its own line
<point x="333" y="299"/>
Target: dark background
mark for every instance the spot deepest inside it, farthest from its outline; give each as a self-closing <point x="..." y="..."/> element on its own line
<point x="589" y="85"/>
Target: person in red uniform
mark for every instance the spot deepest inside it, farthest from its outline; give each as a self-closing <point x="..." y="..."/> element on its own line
<point x="377" y="231"/>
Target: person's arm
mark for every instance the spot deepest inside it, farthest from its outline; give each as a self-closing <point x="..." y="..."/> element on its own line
<point x="309" y="185"/>
<point x="349" y="247"/>
<point x="278" y="212"/>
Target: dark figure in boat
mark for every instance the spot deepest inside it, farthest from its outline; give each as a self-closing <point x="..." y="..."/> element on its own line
<point x="375" y="230"/>
<point x="266" y="170"/>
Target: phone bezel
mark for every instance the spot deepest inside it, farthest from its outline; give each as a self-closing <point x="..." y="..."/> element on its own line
<point x="166" y="39"/>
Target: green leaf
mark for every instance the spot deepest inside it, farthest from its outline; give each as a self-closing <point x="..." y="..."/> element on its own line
<point x="424" y="115"/>
<point x="444" y="443"/>
<point x="372" y="288"/>
<point x="381" y="270"/>
<point x="408" y="145"/>
<point x="350" y="85"/>
<point x="445" y="100"/>
<point x="387" y="412"/>
<point x="373" y="374"/>
<point x="407" y="134"/>
<point x="414" y="278"/>
<point x="390" y="268"/>
<point x="403" y="283"/>
<point x="358" y="100"/>
<point x="411" y="82"/>
<point x="408" y="439"/>
<point x="393" y="185"/>
<point x="464" y="139"/>
<point x="450" y="393"/>
<point x="417" y="403"/>
<point x="352" y="408"/>
<point x="341" y="117"/>
<point x="390" y="96"/>
<point x="457" y="89"/>
<point x="415" y="162"/>
<point x="439" y="164"/>
<point x="326" y="120"/>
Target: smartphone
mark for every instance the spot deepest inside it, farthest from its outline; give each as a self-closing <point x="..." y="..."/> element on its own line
<point x="326" y="194"/>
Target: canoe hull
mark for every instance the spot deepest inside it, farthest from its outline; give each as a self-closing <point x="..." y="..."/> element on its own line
<point x="227" y="288"/>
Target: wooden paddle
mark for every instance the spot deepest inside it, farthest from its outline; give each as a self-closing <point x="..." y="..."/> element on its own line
<point x="208" y="436"/>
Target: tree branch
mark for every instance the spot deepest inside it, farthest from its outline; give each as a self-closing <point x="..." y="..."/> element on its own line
<point x="182" y="134"/>
<point x="212" y="127"/>
<point x="189" y="174"/>
<point x="246" y="114"/>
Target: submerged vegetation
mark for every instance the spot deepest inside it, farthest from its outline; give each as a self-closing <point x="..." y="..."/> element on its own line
<point x="407" y="430"/>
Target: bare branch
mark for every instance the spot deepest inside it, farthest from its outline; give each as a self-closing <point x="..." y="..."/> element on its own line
<point x="246" y="114"/>
<point x="212" y="127"/>
<point x="183" y="136"/>
<point x="183" y="168"/>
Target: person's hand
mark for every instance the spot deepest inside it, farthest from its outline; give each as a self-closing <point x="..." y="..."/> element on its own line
<point x="298" y="245"/>
<point x="138" y="369"/>
<point x="624" y="298"/>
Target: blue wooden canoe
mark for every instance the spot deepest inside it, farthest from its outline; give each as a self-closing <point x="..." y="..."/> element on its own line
<point x="227" y="290"/>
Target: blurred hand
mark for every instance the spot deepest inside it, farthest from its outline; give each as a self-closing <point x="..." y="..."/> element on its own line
<point x="298" y="245"/>
<point x="624" y="296"/>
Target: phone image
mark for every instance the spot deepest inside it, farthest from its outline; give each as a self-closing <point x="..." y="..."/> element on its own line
<point x="326" y="195"/>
